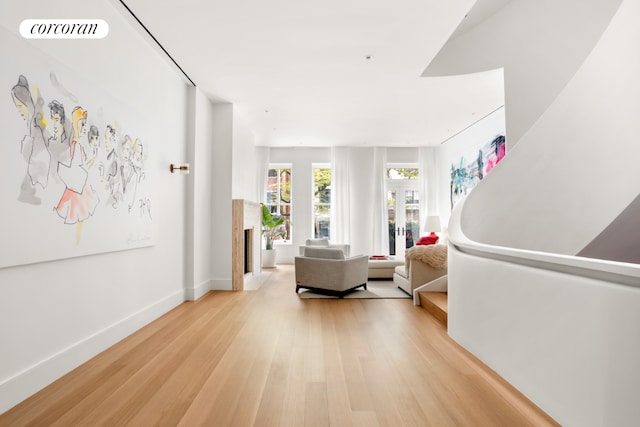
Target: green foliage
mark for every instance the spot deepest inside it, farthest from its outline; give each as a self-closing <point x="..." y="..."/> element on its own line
<point x="322" y="181"/>
<point x="272" y="226"/>
<point x="405" y="173"/>
<point x="285" y="185"/>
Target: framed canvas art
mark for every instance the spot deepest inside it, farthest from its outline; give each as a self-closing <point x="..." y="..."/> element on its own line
<point x="75" y="175"/>
<point x="472" y="167"/>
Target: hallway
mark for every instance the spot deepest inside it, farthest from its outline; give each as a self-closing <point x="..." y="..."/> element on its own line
<point x="268" y="358"/>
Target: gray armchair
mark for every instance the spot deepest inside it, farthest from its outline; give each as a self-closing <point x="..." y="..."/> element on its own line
<point x="326" y="270"/>
<point x="324" y="243"/>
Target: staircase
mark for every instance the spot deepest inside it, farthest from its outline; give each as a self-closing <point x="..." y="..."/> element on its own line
<point x="436" y="304"/>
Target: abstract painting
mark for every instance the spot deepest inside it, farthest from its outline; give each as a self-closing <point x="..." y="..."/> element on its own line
<point x="468" y="171"/>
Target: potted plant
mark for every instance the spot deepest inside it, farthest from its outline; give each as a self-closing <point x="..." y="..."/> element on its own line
<point x="272" y="229"/>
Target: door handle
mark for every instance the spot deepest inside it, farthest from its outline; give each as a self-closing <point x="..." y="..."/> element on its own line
<point x="403" y="231"/>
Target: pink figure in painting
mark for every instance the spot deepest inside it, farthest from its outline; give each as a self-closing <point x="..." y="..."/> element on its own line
<point x="78" y="202"/>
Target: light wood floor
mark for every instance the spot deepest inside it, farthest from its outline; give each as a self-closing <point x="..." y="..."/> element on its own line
<point x="268" y="358"/>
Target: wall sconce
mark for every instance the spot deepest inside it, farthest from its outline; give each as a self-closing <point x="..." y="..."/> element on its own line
<point x="183" y="169"/>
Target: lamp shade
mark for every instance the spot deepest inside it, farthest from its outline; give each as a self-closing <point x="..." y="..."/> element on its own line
<point x="432" y="223"/>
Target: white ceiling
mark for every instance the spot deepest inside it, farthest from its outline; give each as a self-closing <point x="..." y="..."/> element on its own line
<point x="297" y="71"/>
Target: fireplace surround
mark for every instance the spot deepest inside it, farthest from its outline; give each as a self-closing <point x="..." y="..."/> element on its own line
<point x="246" y="242"/>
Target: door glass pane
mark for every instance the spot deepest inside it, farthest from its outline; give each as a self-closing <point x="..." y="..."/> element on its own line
<point x="412" y="215"/>
<point x="322" y="220"/>
<point x="391" y="212"/>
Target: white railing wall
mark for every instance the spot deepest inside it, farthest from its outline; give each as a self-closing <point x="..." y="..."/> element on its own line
<point x="553" y="326"/>
<point x="563" y="329"/>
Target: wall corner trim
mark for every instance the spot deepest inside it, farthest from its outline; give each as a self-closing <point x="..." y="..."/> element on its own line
<point x="197" y="291"/>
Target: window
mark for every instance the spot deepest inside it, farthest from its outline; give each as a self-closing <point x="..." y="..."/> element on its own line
<point x="402" y="173"/>
<point x="321" y="200"/>
<point x="279" y="196"/>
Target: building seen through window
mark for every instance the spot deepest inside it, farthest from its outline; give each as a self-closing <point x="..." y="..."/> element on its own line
<point x="278" y="196"/>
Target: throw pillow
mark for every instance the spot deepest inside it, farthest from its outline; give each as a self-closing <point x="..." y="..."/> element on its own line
<point x="427" y="240"/>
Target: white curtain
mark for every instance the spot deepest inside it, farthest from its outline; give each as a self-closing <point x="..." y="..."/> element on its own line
<point x="263" y="154"/>
<point x="428" y="166"/>
<point x="380" y="213"/>
<point x="340" y="228"/>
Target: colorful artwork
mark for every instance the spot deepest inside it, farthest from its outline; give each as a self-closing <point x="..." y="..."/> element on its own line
<point x="75" y="180"/>
<point x="469" y="171"/>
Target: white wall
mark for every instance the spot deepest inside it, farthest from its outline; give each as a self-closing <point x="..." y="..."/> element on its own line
<point x="56" y="315"/>
<point x="225" y="162"/>
<point x="402" y="155"/>
<point x="222" y="124"/>
<point x="245" y="161"/>
<point x="569" y="342"/>
<point x="199" y="196"/>
<point x="577" y="168"/>
<point x="465" y="143"/>
<point x="540" y="44"/>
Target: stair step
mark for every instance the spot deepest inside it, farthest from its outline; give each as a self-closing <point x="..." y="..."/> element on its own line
<point x="436" y="304"/>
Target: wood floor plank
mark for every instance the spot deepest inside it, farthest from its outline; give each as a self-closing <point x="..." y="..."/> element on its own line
<point x="293" y="403"/>
<point x="270" y="411"/>
<point x="316" y="406"/>
<point x="268" y="358"/>
<point x="173" y="399"/>
<point x="339" y="408"/>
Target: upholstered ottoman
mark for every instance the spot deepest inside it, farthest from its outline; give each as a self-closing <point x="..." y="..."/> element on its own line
<point x="383" y="268"/>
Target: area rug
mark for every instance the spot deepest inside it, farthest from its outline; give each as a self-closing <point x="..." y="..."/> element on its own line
<point x="375" y="289"/>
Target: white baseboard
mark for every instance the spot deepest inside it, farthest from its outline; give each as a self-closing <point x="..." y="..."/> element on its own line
<point x="20" y="386"/>
<point x="192" y="294"/>
<point x="221" y="285"/>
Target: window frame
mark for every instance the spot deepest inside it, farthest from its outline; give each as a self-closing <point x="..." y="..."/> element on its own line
<point x="314" y="167"/>
<point x="279" y="203"/>
<point x="403" y="165"/>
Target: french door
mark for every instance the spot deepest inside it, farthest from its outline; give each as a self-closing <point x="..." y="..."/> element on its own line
<point x="403" y="209"/>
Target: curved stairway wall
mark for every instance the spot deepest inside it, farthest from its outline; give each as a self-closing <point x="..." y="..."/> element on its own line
<point x="539" y="44"/>
<point x="564" y="329"/>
